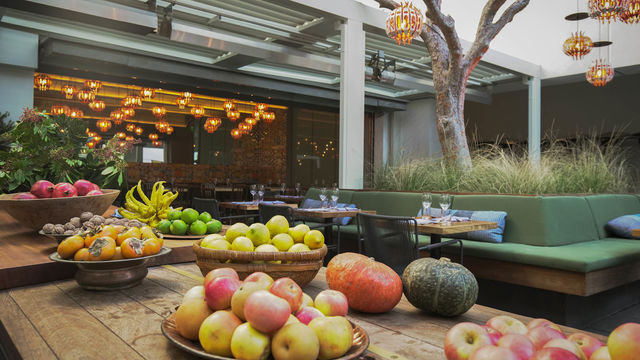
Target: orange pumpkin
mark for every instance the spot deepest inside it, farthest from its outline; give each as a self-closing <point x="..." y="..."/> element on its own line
<point x="369" y="286"/>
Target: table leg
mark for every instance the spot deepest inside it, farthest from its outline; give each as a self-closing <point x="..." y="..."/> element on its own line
<point x="435" y="239"/>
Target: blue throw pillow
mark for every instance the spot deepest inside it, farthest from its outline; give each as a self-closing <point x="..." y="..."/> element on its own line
<point x="311" y="204"/>
<point x="345" y="220"/>
<point x="622" y="226"/>
<point x="434" y="212"/>
<point x="491" y="235"/>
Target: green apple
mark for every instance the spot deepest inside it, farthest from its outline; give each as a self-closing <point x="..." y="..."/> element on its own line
<point x="240" y="296"/>
<point x="174" y="215"/>
<point x="164" y="226"/>
<point x="216" y="332"/>
<point x="298" y="232"/>
<point x="178" y="227"/>
<point x="196" y="292"/>
<point x="335" y="335"/>
<point x="242" y="243"/>
<point x="235" y="230"/>
<point x="214" y="226"/>
<point x="197" y="228"/>
<point x="250" y="344"/>
<point x="295" y="341"/>
<point x="282" y="241"/>
<point x="267" y="248"/>
<point x="278" y="225"/>
<point x="189" y="215"/>
<point x="259" y="234"/>
<point x="205" y="217"/>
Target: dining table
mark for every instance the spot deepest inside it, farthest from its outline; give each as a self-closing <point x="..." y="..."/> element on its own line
<point x="327" y="217"/>
<point x="437" y="230"/>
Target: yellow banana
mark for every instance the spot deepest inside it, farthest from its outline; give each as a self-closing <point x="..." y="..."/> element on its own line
<point x="154" y="195"/>
<point x="127" y="214"/>
<point x="142" y="195"/>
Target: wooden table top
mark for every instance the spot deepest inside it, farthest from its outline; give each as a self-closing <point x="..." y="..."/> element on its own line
<point x="635" y="232"/>
<point x="456" y="227"/>
<point x="249" y="207"/>
<point x="328" y="214"/>
<point x="61" y="320"/>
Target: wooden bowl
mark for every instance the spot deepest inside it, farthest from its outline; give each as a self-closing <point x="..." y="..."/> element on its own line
<point x="302" y="267"/>
<point x="34" y="213"/>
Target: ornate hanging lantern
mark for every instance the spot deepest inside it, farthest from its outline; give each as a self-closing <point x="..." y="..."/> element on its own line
<point x="187" y="95"/>
<point x="86" y="95"/>
<point x="131" y="101"/>
<point x="261" y="107"/>
<point x="93" y="85"/>
<point x="58" y="110"/>
<point x="138" y="130"/>
<point x="236" y="134"/>
<point x="91" y="144"/>
<point x="129" y="138"/>
<point x="233" y="115"/>
<point x="577" y="46"/>
<point x="97" y="105"/>
<point x="257" y="115"/>
<point x="244" y="128"/>
<point x="212" y="124"/>
<point x="91" y="133"/>
<point x="600" y="73"/>
<point x="130" y="127"/>
<point x="158" y="111"/>
<point x="97" y="138"/>
<point x="117" y="116"/>
<point x="42" y="82"/>
<point x="68" y="91"/>
<point x="157" y="143"/>
<point x="251" y="121"/>
<point x="121" y="135"/>
<point x="404" y="23"/>
<point x="228" y="105"/>
<point x="122" y="143"/>
<point x="75" y="113"/>
<point x="606" y="10"/>
<point x="162" y="125"/>
<point x="153" y="136"/>
<point x="147" y="93"/>
<point x="128" y="112"/>
<point x="197" y="111"/>
<point x="103" y="125"/>
<point x="269" y="117"/>
<point x="631" y="12"/>
<point x="182" y="102"/>
<point x="169" y="130"/>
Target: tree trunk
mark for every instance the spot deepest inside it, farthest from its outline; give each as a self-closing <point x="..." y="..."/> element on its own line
<point x="450" y="124"/>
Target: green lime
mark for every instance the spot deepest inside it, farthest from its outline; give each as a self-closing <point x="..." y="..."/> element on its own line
<point x="189" y="215"/>
<point x="214" y="226"/>
<point x="205" y="217"/>
<point x="164" y="226"/>
<point x="197" y="228"/>
<point x="178" y="227"/>
<point x="174" y="215"/>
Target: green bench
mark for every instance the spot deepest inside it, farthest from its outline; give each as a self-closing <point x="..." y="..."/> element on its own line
<point x="556" y="243"/>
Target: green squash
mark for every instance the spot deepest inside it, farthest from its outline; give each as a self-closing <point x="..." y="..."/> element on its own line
<point x="439" y="286"/>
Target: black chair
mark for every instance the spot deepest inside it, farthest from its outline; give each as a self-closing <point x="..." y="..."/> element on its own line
<point x="211" y="206"/>
<point x="393" y="240"/>
<point x="267" y="211"/>
<point x="208" y="190"/>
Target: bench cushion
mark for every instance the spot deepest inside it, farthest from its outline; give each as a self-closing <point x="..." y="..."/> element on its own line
<point x="580" y="257"/>
<point x="607" y="207"/>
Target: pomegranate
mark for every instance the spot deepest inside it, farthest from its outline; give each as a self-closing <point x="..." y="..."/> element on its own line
<point x="95" y="192"/>
<point x="24" y="196"/>
<point x="64" y="190"/>
<point x="83" y="186"/>
<point x="42" y="189"/>
<point x="95" y="187"/>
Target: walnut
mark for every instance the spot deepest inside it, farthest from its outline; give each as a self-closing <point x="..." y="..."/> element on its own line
<point x="75" y="221"/>
<point x="69" y="226"/>
<point x="48" y="228"/>
<point x="58" y="229"/>
<point x="86" y="216"/>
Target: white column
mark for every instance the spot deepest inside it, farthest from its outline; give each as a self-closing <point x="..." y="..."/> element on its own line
<point x="351" y="161"/>
<point x="534" y="120"/>
<point x="18" y="60"/>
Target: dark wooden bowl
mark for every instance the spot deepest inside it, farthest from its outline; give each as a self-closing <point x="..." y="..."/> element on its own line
<point x="35" y="213"/>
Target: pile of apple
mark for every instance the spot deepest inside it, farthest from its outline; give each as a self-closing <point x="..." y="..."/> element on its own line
<point x="506" y="338"/>
<point x="43" y="189"/>
<point x="258" y="317"/>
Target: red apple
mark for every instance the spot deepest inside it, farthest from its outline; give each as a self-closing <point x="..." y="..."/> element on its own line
<point x="601" y="354"/>
<point x="463" y="339"/>
<point x="265" y="311"/>
<point x="588" y="344"/>
<point x="215" y="332"/>
<point x="218" y="292"/>
<point x="491" y="352"/>
<point x="553" y="354"/>
<point x="221" y="272"/>
<point x="567" y="345"/>
<point x="519" y="344"/>
<point x="493" y="334"/>
<point x="332" y="303"/>
<point x="64" y="190"/>
<point x="542" y="334"/>
<point x="307" y="313"/>
<point x="543" y="322"/>
<point x="259" y="276"/>
<point x="287" y="289"/>
<point x="624" y="342"/>
<point x="507" y="325"/>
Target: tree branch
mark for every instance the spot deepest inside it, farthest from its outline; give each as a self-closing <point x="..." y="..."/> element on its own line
<point x="446" y="25"/>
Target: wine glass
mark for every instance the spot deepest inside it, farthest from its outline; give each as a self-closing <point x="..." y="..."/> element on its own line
<point x="334" y="197"/>
<point x="215" y="182"/>
<point x="228" y="181"/>
<point x="297" y="189"/>
<point x="427" y="199"/>
<point x="260" y="192"/>
<point x="323" y="197"/>
<point x="445" y="203"/>
<point x="283" y="188"/>
<point x="253" y="190"/>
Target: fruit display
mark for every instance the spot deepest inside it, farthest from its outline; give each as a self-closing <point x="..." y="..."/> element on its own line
<point x="274" y="236"/>
<point x="188" y="222"/>
<point x="86" y="222"/>
<point x="370" y="286"/>
<point x="261" y="318"/>
<point x="504" y="337"/>
<point x="111" y="242"/>
<point x="439" y="286"/>
<point x="43" y="189"/>
<point x="150" y="210"/>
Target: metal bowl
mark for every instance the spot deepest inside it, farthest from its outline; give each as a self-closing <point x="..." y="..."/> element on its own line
<point x="110" y="275"/>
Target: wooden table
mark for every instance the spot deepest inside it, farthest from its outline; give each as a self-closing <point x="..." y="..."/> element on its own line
<point x="635" y="232"/>
<point x="249" y="207"/>
<point x="61" y="320"/>
<point x="327" y="216"/>
<point x="437" y="230"/>
<point x="293" y="199"/>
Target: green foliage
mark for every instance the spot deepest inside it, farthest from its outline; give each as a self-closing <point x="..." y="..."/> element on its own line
<point x="582" y="166"/>
<point x="54" y="148"/>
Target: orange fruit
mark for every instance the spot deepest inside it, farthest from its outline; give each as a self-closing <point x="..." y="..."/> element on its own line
<point x="81" y="255"/>
<point x="132" y="248"/>
<point x="88" y="240"/>
<point x="151" y="247"/>
<point x="118" y="254"/>
<point x="102" y="248"/>
<point x="108" y="230"/>
<point x="69" y="246"/>
<point x="129" y="233"/>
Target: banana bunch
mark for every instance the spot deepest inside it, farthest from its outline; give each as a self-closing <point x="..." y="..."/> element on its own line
<point x="149" y="210"/>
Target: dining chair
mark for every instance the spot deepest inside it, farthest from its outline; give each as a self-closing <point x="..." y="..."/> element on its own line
<point x="208" y="190"/>
<point x="393" y="240"/>
<point x="212" y="207"/>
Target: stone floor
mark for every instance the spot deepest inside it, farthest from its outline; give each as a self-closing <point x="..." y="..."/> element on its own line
<point x="608" y="323"/>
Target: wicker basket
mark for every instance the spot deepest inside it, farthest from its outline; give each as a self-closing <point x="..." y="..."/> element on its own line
<point x="302" y="267"/>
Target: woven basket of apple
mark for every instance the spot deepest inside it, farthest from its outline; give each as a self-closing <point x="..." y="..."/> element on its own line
<point x="49" y="203"/>
<point x="274" y="248"/>
<point x="259" y="318"/>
